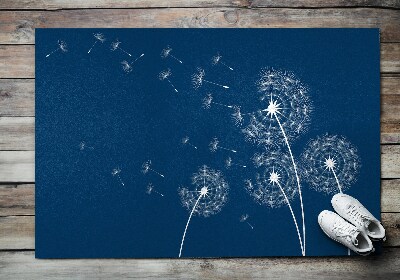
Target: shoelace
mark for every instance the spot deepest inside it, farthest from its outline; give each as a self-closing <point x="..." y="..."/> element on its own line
<point x="347" y="231"/>
<point x="363" y="219"/>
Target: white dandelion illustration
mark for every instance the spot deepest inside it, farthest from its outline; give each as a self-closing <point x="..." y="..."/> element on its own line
<point x="209" y="195"/>
<point x="198" y="79"/>
<point x="99" y="37"/>
<point x="146" y="167"/>
<point x="214" y="146"/>
<point x="330" y="164"/>
<point x="229" y="163"/>
<point x="62" y="47"/>
<point x="208" y="100"/>
<point x="150" y="189"/>
<point x="164" y="75"/>
<point x="116" y="172"/>
<point x="128" y="67"/>
<point x="115" y="46"/>
<point x="244" y="219"/>
<point x="186" y="141"/>
<point x="275" y="185"/>
<point x="287" y="115"/>
<point x="218" y="59"/>
<point x="167" y="52"/>
<point x="84" y="146"/>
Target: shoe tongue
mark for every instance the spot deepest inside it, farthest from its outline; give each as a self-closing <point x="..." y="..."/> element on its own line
<point x="354" y="239"/>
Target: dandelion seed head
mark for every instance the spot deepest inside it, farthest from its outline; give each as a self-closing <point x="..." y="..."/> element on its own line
<point x="214" y="144"/>
<point x="276" y="169"/>
<point x="215" y="60"/>
<point x="228" y="162"/>
<point x="185" y="140"/>
<point x="165" y="74"/>
<point x="237" y="116"/>
<point x="100" y="37"/>
<point x="149" y="188"/>
<point x="116" y="171"/>
<point x="213" y="189"/>
<point x="244" y="218"/>
<point x="126" y="66"/>
<point x="198" y="77"/>
<point x="82" y="146"/>
<point x="207" y="101"/>
<point x="62" y="45"/>
<point x="327" y="154"/>
<point x="115" y="45"/>
<point x="166" y="52"/>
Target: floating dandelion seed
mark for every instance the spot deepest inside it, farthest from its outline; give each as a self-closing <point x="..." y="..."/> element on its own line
<point x="275" y="185"/>
<point x="128" y="67"/>
<point x="115" y="172"/>
<point x="62" y="46"/>
<point x="198" y="79"/>
<point x="229" y="163"/>
<point x="167" y="52"/>
<point x="244" y="218"/>
<point x="150" y="189"/>
<point x="217" y="59"/>
<point x="115" y="46"/>
<point x="286" y="116"/>
<point x="164" y="75"/>
<point x="99" y="37"/>
<point x="185" y="141"/>
<point x="210" y="194"/>
<point x="83" y="146"/>
<point x="146" y="167"/>
<point x="208" y="100"/>
<point x="330" y="164"/>
<point x="214" y="146"/>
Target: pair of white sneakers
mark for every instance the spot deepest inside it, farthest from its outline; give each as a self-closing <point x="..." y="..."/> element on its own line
<point x="355" y="227"/>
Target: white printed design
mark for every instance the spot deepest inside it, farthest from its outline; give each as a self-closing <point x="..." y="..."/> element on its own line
<point x="229" y="163"/>
<point x="186" y="141"/>
<point x="99" y="38"/>
<point x="209" y="195"/>
<point x="208" y="101"/>
<point x="150" y="189"/>
<point x="62" y="47"/>
<point x="167" y="53"/>
<point x="244" y="219"/>
<point x="214" y="146"/>
<point x="116" y="46"/>
<point x="146" y="167"/>
<point x="116" y="173"/>
<point x="330" y="164"/>
<point x="275" y="185"/>
<point x="198" y="79"/>
<point x="164" y="75"/>
<point x="217" y="59"/>
<point x="128" y="66"/>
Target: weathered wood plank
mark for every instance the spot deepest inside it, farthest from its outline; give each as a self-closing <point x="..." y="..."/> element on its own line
<point x="17" y="27"/>
<point x="17" y="166"/>
<point x="104" y="4"/>
<point x="23" y="265"/>
<point x="17" y="133"/>
<point x="17" y="97"/>
<point x="390" y="195"/>
<point x="390" y="161"/>
<point x="18" y="232"/>
<point x="17" y="200"/>
<point x="18" y="60"/>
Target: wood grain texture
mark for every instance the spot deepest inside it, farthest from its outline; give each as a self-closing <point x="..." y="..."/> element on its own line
<point x="17" y="97"/>
<point x="17" y="166"/>
<point x="17" y="200"/>
<point x="90" y="4"/>
<point x="23" y="265"/>
<point x="17" y="27"/>
<point x="17" y="133"/>
<point x="390" y="161"/>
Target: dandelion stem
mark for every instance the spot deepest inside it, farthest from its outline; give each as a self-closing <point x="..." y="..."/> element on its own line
<point x="158" y="193"/>
<point x="92" y="46"/>
<point x="215" y="84"/>
<point x="220" y="104"/>
<point x="52" y="52"/>
<point x="171" y="84"/>
<point x="337" y="181"/>
<point x="294" y="218"/>
<point x="124" y="51"/>
<point x="192" y="145"/>
<point x="176" y="58"/>
<point x="298" y="182"/>
<point x="233" y="151"/>
<point x="187" y="224"/>
<point x="250" y="225"/>
<point x="157" y="172"/>
<point x="226" y="66"/>
<point x="119" y="178"/>
<point x="137" y="58"/>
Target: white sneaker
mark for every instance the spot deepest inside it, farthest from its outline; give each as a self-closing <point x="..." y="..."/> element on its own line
<point x="345" y="233"/>
<point x="353" y="211"/>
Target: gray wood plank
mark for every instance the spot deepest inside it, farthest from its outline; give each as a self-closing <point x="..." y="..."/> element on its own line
<point x="17" y="200"/>
<point x="23" y="265"/>
<point x="17" y="133"/>
<point x="17" y="166"/>
<point x="17" y="27"/>
<point x="17" y="97"/>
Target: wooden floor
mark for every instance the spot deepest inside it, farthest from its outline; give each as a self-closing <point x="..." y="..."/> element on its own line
<point x="18" y="20"/>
